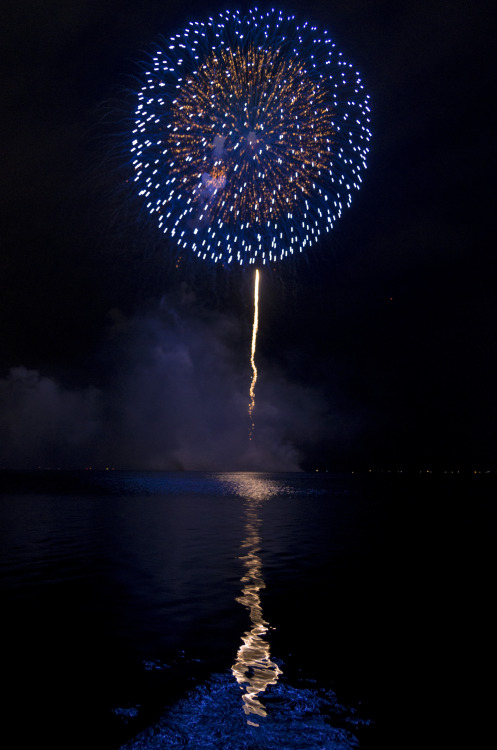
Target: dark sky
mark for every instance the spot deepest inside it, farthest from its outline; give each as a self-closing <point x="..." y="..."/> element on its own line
<point x="377" y="349"/>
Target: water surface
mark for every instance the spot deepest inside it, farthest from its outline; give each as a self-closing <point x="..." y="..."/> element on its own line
<point x="236" y="610"/>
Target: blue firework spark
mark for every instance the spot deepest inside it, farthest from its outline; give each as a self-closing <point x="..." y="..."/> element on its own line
<point x="251" y="134"/>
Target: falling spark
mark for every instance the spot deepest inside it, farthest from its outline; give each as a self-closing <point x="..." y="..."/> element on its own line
<point x="252" y="354"/>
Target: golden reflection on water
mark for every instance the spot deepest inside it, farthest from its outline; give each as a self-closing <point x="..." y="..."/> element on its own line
<point x="253" y="668"/>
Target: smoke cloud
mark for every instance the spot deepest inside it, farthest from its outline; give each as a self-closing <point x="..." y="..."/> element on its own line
<point x="176" y="398"/>
<point x="41" y="423"/>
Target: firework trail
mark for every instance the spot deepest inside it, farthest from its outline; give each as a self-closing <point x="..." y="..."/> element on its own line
<point x="252" y="353"/>
<point x="250" y="135"/>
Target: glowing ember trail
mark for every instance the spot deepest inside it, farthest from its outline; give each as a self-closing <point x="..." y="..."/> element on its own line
<point x="252" y="354"/>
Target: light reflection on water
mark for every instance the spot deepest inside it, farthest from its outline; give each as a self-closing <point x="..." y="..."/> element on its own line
<point x="130" y="563"/>
<point x="104" y="574"/>
<point x="253" y="668"/>
<point x="210" y="717"/>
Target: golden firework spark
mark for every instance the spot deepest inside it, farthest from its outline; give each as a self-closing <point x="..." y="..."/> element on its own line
<point x="252" y="353"/>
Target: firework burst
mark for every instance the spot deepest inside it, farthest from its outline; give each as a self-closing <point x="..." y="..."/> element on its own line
<point x="251" y="134"/>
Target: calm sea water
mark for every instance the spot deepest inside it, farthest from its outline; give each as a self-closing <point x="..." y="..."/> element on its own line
<point x="147" y="610"/>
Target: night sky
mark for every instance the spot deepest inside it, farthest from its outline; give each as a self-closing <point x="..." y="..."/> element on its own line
<point x="375" y="350"/>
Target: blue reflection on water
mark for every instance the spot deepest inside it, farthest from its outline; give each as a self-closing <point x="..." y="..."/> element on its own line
<point x="210" y="718"/>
